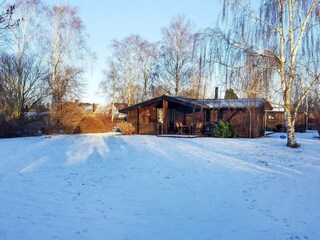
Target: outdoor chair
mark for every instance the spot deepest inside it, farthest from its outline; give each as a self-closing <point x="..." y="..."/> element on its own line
<point x="179" y="127"/>
<point x="198" y="128"/>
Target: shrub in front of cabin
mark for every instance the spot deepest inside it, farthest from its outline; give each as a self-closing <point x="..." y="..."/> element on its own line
<point x="96" y="124"/>
<point x="223" y="130"/>
<point x="126" y="128"/>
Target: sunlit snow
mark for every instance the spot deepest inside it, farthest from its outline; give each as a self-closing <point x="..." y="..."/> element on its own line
<point x="102" y="186"/>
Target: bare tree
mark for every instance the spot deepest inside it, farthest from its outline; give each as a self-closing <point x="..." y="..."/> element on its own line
<point x="219" y="62"/>
<point x="46" y="57"/>
<point x="178" y="54"/>
<point x="109" y="84"/>
<point x="5" y="24"/>
<point x="134" y="63"/>
<point x="6" y="21"/>
<point x="22" y="72"/>
<point x="288" y="33"/>
<point x="23" y="85"/>
<point x="255" y="77"/>
<point x="148" y="66"/>
<point x="66" y="52"/>
<point x="202" y="72"/>
<point x="127" y="56"/>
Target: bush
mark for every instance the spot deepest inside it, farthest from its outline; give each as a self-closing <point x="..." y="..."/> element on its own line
<point x="66" y="117"/>
<point x="223" y="130"/>
<point x="28" y="127"/>
<point x="8" y="129"/>
<point x="126" y="128"/>
<point x="107" y="121"/>
<point x="94" y="124"/>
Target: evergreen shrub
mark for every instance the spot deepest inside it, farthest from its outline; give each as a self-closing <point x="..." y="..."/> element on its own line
<point x="223" y="130"/>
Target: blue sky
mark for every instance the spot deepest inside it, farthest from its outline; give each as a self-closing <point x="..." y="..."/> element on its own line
<point x="106" y="20"/>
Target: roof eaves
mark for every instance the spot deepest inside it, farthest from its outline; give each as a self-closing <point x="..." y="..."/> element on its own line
<point x="189" y="102"/>
<point x="142" y="104"/>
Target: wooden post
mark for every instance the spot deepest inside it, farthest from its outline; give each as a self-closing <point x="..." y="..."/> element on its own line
<point x="250" y="123"/>
<point x="165" y="116"/>
<point x="193" y="111"/>
<point x="220" y="114"/>
<point x="202" y="116"/>
<point x="138" y="112"/>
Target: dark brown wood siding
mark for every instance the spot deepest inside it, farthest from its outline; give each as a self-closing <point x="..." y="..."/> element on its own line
<point x="240" y="119"/>
<point x="214" y="116"/>
<point x="275" y="118"/>
<point x="147" y="120"/>
<point x="133" y="119"/>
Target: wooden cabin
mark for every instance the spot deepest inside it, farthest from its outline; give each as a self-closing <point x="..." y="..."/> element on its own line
<point x="164" y="115"/>
<point x="276" y="121"/>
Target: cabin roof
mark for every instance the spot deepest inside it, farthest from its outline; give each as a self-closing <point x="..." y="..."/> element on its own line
<point x="206" y="103"/>
<point x="235" y="103"/>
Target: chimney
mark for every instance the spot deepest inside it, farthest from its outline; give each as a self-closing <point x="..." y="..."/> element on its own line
<point x="216" y="92"/>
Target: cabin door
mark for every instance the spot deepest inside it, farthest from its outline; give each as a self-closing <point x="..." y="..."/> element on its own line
<point x="172" y="120"/>
<point x="159" y="121"/>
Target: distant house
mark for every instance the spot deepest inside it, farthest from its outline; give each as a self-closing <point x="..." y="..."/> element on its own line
<point x="87" y="107"/>
<point x="173" y="114"/>
<point x="114" y="110"/>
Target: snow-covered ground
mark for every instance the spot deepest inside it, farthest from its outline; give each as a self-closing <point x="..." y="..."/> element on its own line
<point x="146" y="187"/>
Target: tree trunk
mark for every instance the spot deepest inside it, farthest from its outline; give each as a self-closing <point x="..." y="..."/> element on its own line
<point x="291" y="139"/>
<point x="145" y="87"/>
<point x="129" y="85"/>
<point x="291" y="142"/>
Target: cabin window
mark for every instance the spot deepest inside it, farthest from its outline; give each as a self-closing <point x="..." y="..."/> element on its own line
<point x="159" y="115"/>
<point x="271" y="116"/>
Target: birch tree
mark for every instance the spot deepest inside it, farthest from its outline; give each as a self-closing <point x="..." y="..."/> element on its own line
<point x="179" y="48"/>
<point x="22" y="74"/>
<point x="148" y="66"/>
<point x="135" y="62"/>
<point x="288" y="33"/>
<point x="66" y="52"/>
<point x="109" y="84"/>
<point x="67" y="56"/>
<point x="25" y="73"/>
<point x="127" y="54"/>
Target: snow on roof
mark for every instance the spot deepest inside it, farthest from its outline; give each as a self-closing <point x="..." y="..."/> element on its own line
<point x="205" y="103"/>
<point x="235" y="103"/>
<point x="224" y="103"/>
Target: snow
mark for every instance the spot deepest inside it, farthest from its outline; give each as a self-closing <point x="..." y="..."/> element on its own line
<point x="102" y="186"/>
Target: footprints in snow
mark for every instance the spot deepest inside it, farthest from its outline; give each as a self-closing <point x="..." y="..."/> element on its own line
<point x="254" y="206"/>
